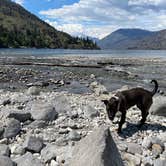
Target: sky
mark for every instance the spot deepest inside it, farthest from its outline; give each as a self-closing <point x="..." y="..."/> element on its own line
<point x="98" y="18"/>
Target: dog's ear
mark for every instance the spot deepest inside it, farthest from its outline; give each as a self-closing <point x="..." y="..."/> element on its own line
<point x="105" y="101"/>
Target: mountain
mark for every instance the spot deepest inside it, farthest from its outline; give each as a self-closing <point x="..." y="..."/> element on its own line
<point x="134" y="39"/>
<point x="20" y="28"/>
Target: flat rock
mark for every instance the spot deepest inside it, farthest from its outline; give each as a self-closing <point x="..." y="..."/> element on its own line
<point x="33" y="90"/>
<point x="20" y="116"/>
<point x="4" y="150"/>
<point x="74" y="136"/>
<point x="13" y="127"/>
<point x="159" y="162"/>
<point x="147" y="142"/>
<point x="28" y="160"/>
<point x="90" y="112"/>
<point x="132" y="160"/>
<point x="159" y="106"/>
<point x="33" y="144"/>
<point x="48" y="153"/>
<point x="6" y="161"/>
<point x="102" y="152"/>
<point x="134" y="148"/>
<point x="43" y="111"/>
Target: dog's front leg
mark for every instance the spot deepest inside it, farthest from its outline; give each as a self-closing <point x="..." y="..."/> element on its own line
<point x="122" y="120"/>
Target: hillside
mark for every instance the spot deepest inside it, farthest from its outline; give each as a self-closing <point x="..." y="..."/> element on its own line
<point x="134" y="39"/>
<point x="20" y="28"/>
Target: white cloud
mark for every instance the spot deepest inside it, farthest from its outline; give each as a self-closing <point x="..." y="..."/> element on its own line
<point x="98" y="18"/>
<point x="19" y="1"/>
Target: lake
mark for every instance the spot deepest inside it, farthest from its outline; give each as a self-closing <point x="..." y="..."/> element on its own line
<point x="67" y="52"/>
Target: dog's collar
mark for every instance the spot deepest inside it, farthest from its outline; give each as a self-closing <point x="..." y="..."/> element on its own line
<point x="116" y="97"/>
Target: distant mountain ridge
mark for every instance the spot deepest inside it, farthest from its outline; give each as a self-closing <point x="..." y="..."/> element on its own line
<point x="20" y="28"/>
<point x="134" y="39"/>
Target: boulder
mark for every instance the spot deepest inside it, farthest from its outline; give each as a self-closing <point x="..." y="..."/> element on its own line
<point x="33" y="90"/>
<point x="159" y="106"/>
<point x="20" y="116"/>
<point x="4" y="150"/>
<point x="43" y="111"/>
<point x="6" y="161"/>
<point x="98" y="89"/>
<point x="48" y="153"/>
<point x="90" y="112"/>
<point x="134" y="148"/>
<point x="13" y="127"/>
<point x="96" y="149"/>
<point x="28" y="160"/>
<point x="74" y="136"/>
<point x="33" y="144"/>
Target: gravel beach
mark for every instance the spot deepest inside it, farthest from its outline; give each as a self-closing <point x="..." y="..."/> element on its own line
<point x="51" y="109"/>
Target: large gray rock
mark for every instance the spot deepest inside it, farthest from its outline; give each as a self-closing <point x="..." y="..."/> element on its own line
<point x="48" y="153"/>
<point x="13" y="128"/>
<point x="4" y="150"/>
<point x="159" y="106"/>
<point x="33" y="144"/>
<point x="33" y="90"/>
<point x="97" y="149"/>
<point x="159" y="162"/>
<point x="134" y="148"/>
<point x="90" y="112"/>
<point x="43" y="111"/>
<point x="74" y="136"/>
<point x="62" y="104"/>
<point x="20" y="116"/>
<point x="6" y="161"/>
<point x="28" y="160"/>
<point x="98" y="89"/>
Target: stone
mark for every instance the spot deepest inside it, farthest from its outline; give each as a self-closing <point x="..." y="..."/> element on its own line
<point x="132" y="160"/>
<point x="33" y="144"/>
<point x="17" y="149"/>
<point x="43" y="111"/>
<point x="37" y="124"/>
<point x="48" y="153"/>
<point x="6" y="161"/>
<point x="147" y="161"/>
<point x="156" y="150"/>
<point x="4" y="150"/>
<point x="74" y="136"/>
<point x="147" y="142"/>
<point x="54" y="163"/>
<point x="28" y="160"/>
<point x="33" y="90"/>
<point x="159" y="106"/>
<point x="62" y="105"/>
<point x="134" y="148"/>
<point x="20" y="116"/>
<point x="1" y="131"/>
<point x="13" y="127"/>
<point x="159" y="162"/>
<point x="6" y="102"/>
<point x="98" y="89"/>
<point x="96" y="149"/>
<point x="90" y="112"/>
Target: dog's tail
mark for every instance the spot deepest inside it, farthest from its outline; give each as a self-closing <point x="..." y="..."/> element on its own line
<point x="155" y="88"/>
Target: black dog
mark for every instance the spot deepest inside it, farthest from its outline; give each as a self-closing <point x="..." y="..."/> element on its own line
<point x="123" y="100"/>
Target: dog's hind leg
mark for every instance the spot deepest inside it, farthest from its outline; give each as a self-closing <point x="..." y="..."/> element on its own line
<point x="144" y="113"/>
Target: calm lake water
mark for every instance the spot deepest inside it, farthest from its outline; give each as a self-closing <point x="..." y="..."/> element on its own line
<point x="67" y="52"/>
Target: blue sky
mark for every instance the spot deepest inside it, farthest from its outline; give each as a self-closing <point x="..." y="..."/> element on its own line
<point x="98" y="18"/>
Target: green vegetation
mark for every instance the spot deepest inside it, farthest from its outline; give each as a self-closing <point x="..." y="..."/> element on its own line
<point x="19" y="28"/>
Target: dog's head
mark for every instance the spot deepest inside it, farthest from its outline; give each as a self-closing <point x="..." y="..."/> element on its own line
<point x="112" y="106"/>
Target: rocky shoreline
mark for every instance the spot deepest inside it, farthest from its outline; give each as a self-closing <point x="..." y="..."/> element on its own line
<point x="43" y="126"/>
